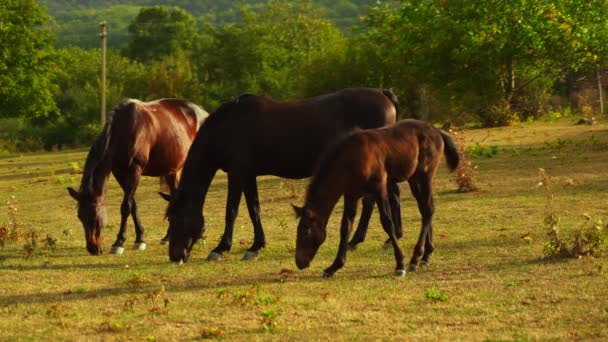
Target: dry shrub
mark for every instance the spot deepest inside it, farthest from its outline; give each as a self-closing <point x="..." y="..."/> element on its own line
<point x="466" y="172"/>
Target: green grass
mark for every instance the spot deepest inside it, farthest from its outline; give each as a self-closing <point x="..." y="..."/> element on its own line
<point x="487" y="279"/>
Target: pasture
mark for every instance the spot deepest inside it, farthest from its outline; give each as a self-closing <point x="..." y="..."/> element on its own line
<point x="487" y="279"/>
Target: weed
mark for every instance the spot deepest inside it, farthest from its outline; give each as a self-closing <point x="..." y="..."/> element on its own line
<point x="60" y="180"/>
<point x="129" y="303"/>
<point x="435" y="295"/>
<point x="10" y="231"/>
<point x="31" y="243"/>
<point x="50" y="243"/>
<point x="158" y="297"/>
<point x="57" y="310"/>
<point x="67" y="233"/>
<point x="589" y="239"/>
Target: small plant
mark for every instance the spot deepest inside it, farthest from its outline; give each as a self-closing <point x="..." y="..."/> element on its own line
<point x="269" y="322"/>
<point x="50" y="243"/>
<point x="211" y="332"/>
<point x="31" y="243"/>
<point x="137" y="278"/>
<point x="159" y="299"/>
<point x="435" y="295"/>
<point x="57" y="310"/>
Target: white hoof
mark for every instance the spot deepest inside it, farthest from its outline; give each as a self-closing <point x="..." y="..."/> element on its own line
<point x="213" y="256"/>
<point x="117" y="250"/>
<point x="250" y="256"/>
<point x="178" y="263"/>
<point x="400" y="273"/>
<point x="140" y="246"/>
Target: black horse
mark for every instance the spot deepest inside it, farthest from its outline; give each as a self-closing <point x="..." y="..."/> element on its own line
<point x="254" y="135"/>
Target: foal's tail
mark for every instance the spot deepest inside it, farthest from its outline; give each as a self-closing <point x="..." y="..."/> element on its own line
<point x="391" y="96"/>
<point x="450" y="150"/>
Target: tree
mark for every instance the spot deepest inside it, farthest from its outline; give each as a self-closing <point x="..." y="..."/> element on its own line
<point x="160" y="31"/>
<point x="494" y="58"/>
<point x="26" y="60"/>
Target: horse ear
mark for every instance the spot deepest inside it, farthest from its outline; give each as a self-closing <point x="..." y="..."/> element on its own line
<point x="165" y="196"/>
<point x="75" y="194"/>
<point x="299" y="211"/>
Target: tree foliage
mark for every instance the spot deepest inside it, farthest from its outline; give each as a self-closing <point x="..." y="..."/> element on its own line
<point x="26" y="60"/>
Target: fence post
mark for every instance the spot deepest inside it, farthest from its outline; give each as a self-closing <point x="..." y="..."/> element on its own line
<point x="599" y="88"/>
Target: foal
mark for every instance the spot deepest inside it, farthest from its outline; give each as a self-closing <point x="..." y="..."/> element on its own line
<point x="362" y="163"/>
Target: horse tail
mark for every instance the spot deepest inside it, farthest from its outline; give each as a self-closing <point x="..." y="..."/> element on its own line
<point x="450" y="150"/>
<point x="391" y="96"/>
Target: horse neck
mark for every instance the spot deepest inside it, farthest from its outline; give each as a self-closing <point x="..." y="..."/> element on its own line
<point x="197" y="174"/>
<point x="323" y="196"/>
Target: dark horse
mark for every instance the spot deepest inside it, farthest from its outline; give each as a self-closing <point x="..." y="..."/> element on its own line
<point x="139" y="138"/>
<point x="254" y="135"/>
<point x="362" y="164"/>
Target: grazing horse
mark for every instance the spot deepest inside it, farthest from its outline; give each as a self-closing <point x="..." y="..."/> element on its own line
<point x="139" y="138"/>
<point x="362" y="163"/>
<point x="254" y="135"/>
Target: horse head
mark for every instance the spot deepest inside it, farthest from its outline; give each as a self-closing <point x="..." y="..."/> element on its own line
<point x="310" y="236"/>
<point x="185" y="226"/>
<point x="92" y="214"/>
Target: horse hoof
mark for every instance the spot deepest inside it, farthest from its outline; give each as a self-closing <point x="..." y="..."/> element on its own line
<point x="387" y="245"/>
<point x="249" y="256"/>
<point x="213" y="256"/>
<point x="140" y="246"/>
<point x="178" y="263"/>
<point x="117" y="250"/>
<point x="423" y="263"/>
<point x="352" y="248"/>
<point x="164" y="240"/>
<point x="400" y="273"/>
<point x="327" y="275"/>
<point x="411" y="268"/>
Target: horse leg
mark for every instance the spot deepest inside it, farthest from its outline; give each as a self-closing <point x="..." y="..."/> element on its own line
<point x="172" y="180"/>
<point x="350" y="211"/>
<point x="392" y="189"/>
<point x="253" y="206"/>
<point x="421" y="189"/>
<point x="389" y="227"/>
<point x="235" y="189"/>
<point x="125" y="211"/>
<point x="366" y="214"/>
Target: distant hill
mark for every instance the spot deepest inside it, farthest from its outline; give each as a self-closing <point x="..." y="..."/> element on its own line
<point x="77" y="21"/>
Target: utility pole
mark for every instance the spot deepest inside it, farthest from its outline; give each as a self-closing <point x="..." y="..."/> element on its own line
<point x="103" y="36"/>
<point x="599" y="89"/>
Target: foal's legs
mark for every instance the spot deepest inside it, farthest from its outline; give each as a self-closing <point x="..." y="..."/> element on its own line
<point x="172" y="181"/>
<point x="253" y="206"/>
<point x="420" y="185"/>
<point x="366" y="213"/>
<point x="350" y="210"/>
<point x="235" y="189"/>
<point x="389" y="228"/>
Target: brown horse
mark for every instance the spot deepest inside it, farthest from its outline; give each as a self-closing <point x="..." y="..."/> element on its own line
<point x="139" y="138"/>
<point x="362" y="164"/>
<point x="254" y="135"/>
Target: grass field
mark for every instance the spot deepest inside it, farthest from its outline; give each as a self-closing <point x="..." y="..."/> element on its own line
<point x="487" y="279"/>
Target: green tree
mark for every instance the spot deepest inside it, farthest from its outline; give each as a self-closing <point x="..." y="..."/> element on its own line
<point x="26" y="60"/>
<point x="496" y="59"/>
<point x="160" y="31"/>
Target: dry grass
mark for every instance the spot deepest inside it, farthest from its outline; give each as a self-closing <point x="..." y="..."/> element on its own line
<point x="487" y="279"/>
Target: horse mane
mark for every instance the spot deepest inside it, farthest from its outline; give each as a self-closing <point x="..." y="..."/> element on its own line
<point x="91" y="175"/>
<point x="391" y="96"/>
<point x="326" y="161"/>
